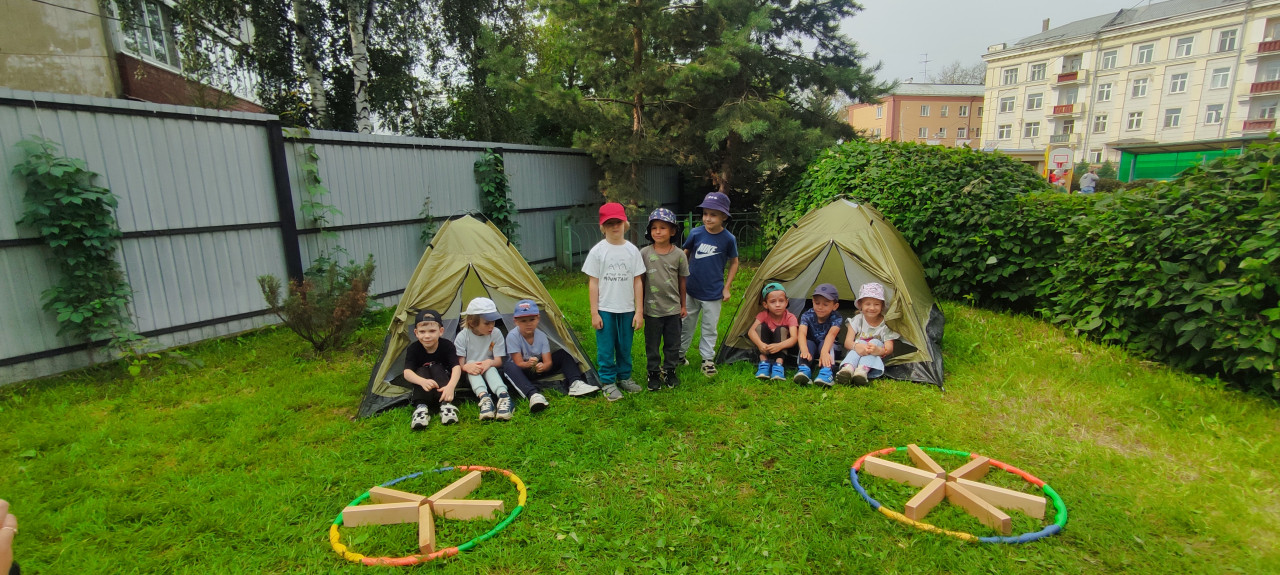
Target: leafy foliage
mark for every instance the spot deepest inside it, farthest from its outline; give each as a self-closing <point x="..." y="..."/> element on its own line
<point x="75" y="219"/>
<point x="495" y="194"/>
<point x="313" y="207"/>
<point x="428" y="222"/>
<point x="327" y="305"/>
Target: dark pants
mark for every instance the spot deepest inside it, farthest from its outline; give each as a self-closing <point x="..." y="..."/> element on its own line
<point x="775" y="335"/>
<point x="419" y="396"/>
<point x="522" y="379"/>
<point x="815" y="364"/>
<point x="662" y="333"/>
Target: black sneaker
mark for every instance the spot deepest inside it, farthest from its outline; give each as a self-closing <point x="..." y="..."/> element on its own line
<point x="655" y="380"/>
<point x="672" y="380"/>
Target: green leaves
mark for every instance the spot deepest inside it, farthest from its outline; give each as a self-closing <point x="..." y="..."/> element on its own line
<point x="495" y="194"/>
<point x="327" y="305"/>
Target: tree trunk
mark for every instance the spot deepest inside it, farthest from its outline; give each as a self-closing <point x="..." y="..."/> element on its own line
<point x="637" y="104"/>
<point x="310" y="64"/>
<point x="359" y="14"/>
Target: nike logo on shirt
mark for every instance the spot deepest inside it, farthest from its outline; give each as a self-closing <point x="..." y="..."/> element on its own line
<point x="705" y="251"/>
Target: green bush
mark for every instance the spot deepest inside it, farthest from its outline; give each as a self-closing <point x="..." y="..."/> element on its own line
<point x="327" y="305"/>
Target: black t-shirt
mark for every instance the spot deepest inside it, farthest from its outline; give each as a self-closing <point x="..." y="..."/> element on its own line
<point x="418" y="357"/>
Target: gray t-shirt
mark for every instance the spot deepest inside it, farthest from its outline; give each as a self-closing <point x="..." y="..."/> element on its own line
<point x="474" y="347"/>
<point x="864" y="332"/>
<point x="516" y="343"/>
<point x="1089" y="180"/>
<point x="662" y="280"/>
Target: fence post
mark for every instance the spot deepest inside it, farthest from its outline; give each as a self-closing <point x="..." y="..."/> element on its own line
<point x="284" y="201"/>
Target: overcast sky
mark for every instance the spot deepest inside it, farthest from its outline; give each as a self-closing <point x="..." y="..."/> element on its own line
<point x="898" y="33"/>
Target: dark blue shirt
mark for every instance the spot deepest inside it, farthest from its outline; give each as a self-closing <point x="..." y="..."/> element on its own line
<point x="818" y="331"/>
<point x="708" y="255"/>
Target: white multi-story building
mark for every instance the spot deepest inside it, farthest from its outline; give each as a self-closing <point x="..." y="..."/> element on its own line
<point x="1174" y="71"/>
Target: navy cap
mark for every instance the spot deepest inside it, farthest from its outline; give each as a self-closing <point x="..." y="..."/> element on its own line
<point x="428" y="315"/>
<point x="716" y="201"/>
<point x="828" y="291"/>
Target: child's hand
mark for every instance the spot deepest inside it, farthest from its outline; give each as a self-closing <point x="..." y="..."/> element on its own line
<point x="446" y="393"/>
<point x="637" y="322"/>
<point x="826" y="360"/>
<point x="861" y="348"/>
<point x="877" y="350"/>
<point x="727" y="293"/>
<point x="430" y="384"/>
<point x="542" y="367"/>
<point x="597" y="321"/>
<point x="804" y="354"/>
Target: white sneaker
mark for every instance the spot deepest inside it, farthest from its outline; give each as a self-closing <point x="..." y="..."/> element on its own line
<point x="580" y="388"/>
<point x="448" y="414"/>
<point x="421" y="417"/>
<point x="537" y="403"/>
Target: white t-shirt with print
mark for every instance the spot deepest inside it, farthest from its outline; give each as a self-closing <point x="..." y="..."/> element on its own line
<point x="616" y="266"/>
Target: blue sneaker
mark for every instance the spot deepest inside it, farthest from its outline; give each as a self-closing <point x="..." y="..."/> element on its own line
<point x="778" y="374"/>
<point x="803" y="375"/>
<point x="825" y="377"/>
<point x="762" y="371"/>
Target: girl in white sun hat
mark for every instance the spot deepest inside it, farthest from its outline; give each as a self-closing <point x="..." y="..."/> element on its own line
<point x="869" y="339"/>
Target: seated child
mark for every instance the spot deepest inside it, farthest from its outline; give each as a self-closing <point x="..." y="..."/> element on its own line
<point x="530" y="358"/>
<point x="431" y="365"/>
<point x="773" y="332"/>
<point x="480" y="351"/>
<point x="819" y="328"/>
<point x="869" y="340"/>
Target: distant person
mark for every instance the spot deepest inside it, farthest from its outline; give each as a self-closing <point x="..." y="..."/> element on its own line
<point x="481" y="348"/>
<point x="869" y="340"/>
<point x="666" y="274"/>
<point x="1089" y="181"/>
<point x="431" y="365"/>
<point x="529" y="359"/>
<point x="710" y="248"/>
<point x="8" y="529"/>
<point x="819" y="329"/>
<point x="615" y="287"/>
<point x="773" y="332"/>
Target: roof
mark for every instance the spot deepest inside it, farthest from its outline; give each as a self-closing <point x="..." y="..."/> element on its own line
<point x="1122" y="18"/>
<point x="938" y="90"/>
<point x="1193" y="146"/>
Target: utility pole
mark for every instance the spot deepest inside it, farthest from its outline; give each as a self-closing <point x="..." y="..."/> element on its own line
<point x="925" y="62"/>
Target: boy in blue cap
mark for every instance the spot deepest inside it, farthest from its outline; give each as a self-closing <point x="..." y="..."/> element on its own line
<point x="710" y="248"/>
<point x="819" y="329"/>
<point x="529" y="358"/>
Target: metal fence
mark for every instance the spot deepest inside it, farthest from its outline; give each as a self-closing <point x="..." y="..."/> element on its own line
<point x="211" y="200"/>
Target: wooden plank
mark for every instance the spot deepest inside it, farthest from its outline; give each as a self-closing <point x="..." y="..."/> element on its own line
<point x="426" y="529"/>
<point x="1032" y="505"/>
<point x="467" y="508"/>
<point x="458" y="489"/>
<point x="974" y="469"/>
<point x="898" y="472"/>
<point x="923" y="461"/>
<point x="380" y="514"/>
<point x="988" y="515"/>
<point x="926" y="500"/>
<point x="385" y="495"/>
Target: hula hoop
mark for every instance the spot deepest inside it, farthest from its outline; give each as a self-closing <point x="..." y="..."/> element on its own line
<point x="1060" y="515"/>
<point x="334" y="538"/>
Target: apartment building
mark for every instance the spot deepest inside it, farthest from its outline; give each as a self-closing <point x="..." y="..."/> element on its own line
<point x="1174" y="71"/>
<point x="939" y="114"/>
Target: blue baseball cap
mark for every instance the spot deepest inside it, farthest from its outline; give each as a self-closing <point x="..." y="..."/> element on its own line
<point x="716" y="201"/>
<point x="828" y="291"/>
<point x="526" y="307"/>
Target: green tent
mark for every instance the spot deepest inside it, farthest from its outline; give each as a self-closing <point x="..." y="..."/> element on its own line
<point x="467" y="258"/>
<point x="847" y="244"/>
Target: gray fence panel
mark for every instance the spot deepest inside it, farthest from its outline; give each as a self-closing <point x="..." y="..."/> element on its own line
<point x="550" y="180"/>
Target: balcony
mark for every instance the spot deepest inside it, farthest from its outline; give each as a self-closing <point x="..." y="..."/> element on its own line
<point x="1269" y="46"/>
<point x="1064" y="139"/>
<point x="1260" y="125"/>
<point x="1264" y="88"/>
<point x="1067" y="109"/>
<point x="1076" y="77"/>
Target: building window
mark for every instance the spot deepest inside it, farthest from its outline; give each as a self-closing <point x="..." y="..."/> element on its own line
<point x="1006" y="104"/>
<point x="924" y="110"/>
<point x="152" y="35"/>
<point x="1009" y="76"/>
<point x="1037" y="72"/>
<point x="1004" y="131"/>
<point x="1213" y="114"/>
<point x="1031" y="130"/>
<point x="1104" y="92"/>
<point x="1100" y="123"/>
<point x="1220" y="78"/>
<point x="976" y="132"/>
<point x="1226" y="40"/>
<point x="1109" y="59"/>
<point x="1067" y="96"/>
<point x="1139" y="88"/>
<point x="922" y="133"/>
<point x="944" y="110"/>
<point x="1146" y="53"/>
<point x="1172" y="117"/>
<point x="1068" y="127"/>
<point x="964" y="111"/>
<point x="979" y="111"/>
<point x="962" y="132"/>
<point x="1072" y="62"/>
<point x="1095" y="156"/>
<point x="942" y="132"/>
<point x="1135" y="121"/>
<point x="879" y="112"/>
<point x="1182" y="46"/>
<point x="1267" y="110"/>
<point x="1271" y="72"/>
<point x="1035" y="101"/>
<point x="1178" y="83"/>
<point x="1272" y="31"/>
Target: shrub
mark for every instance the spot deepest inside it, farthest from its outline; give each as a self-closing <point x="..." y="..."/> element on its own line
<point x="326" y="306"/>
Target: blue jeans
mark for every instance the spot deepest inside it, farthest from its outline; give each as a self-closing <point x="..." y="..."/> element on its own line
<point x="613" y="347"/>
<point x="816" y="363"/>
<point x="874" y="363"/>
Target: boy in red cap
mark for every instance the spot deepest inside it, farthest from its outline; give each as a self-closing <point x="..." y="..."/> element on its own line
<point x="615" y="274"/>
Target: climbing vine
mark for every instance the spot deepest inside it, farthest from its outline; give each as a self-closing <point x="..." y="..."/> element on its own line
<point x="428" y="222"/>
<point x="315" y="211"/>
<point x="495" y="194"/>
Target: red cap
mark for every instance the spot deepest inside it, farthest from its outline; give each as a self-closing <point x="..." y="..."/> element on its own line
<point x="612" y="211"/>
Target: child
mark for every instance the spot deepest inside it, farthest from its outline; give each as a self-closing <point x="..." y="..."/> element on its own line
<point x="614" y="269"/>
<point x="709" y="248"/>
<point x="530" y="358"/>
<point x="819" y="328"/>
<point x="664" y="292"/>
<point x="480" y="351"/>
<point x="869" y="340"/>
<point x="773" y="331"/>
<point x="431" y="365"/>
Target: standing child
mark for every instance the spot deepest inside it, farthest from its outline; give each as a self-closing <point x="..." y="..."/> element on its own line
<point x="664" y="292"/>
<point x="773" y="332"/>
<point x="614" y="269"/>
<point x="480" y="351"/>
<point x="709" y="248"/>
<point x="529" y="358"/>
<point x="869" y="340"/>
<point x="431" y="365"/>
<point x="819" y="328"/>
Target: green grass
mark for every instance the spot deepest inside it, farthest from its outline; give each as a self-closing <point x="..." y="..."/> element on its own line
<point x="240" y="465"/>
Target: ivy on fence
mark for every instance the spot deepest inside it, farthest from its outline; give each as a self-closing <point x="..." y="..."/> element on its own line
<point x="495" y="194"/>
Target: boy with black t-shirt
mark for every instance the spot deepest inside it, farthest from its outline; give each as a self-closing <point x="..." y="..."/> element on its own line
<point x="431" y="365"/>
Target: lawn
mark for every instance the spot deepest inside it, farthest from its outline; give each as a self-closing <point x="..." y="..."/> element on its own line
<point x="239" y="465"/>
